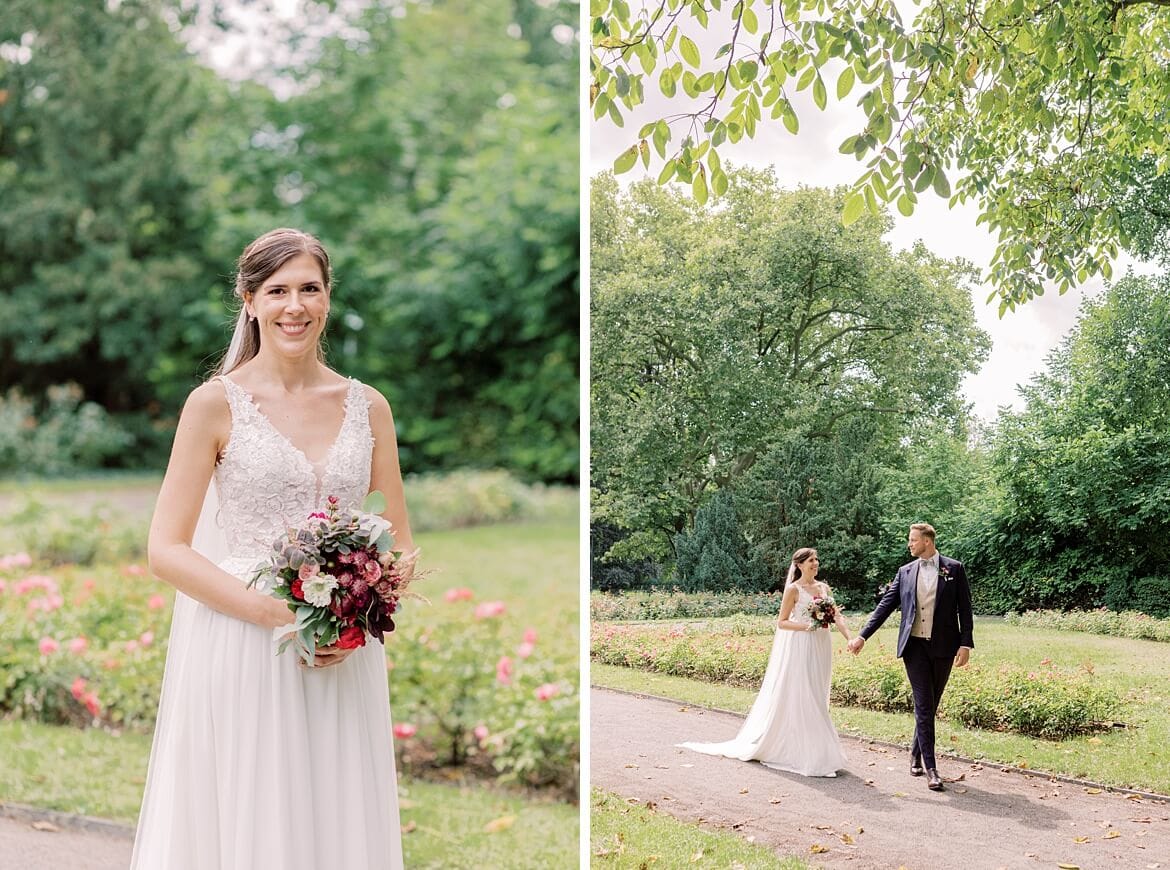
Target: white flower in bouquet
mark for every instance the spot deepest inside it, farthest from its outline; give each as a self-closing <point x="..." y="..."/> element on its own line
<point x="319" y="590"/>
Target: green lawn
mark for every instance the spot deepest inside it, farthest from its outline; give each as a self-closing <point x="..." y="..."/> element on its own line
<point x="1133" y="757"/>
<point x="630" y="836"/>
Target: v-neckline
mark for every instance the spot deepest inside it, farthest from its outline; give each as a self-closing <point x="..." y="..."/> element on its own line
<point x="313" y="466"/>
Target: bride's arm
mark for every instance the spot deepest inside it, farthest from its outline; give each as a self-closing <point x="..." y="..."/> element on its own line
<point x="839" y="619"/>
<point x="203" y="428"/>
<point x="385" y="473"/>
<point x="786" y="605"/>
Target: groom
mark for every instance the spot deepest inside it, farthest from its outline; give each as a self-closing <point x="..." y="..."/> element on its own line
<point x="935" y="601"/>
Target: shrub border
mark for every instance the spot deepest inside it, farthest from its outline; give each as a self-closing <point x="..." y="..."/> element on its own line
<point x="1006" y="768"/>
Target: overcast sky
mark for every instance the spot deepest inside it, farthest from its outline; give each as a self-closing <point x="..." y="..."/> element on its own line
<point x="1021" y="339"/>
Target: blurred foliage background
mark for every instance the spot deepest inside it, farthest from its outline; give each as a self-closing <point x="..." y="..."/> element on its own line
<point x="432" y="146"/>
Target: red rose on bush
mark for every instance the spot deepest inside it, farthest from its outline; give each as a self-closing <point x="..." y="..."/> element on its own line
<point x="351" y="637"/>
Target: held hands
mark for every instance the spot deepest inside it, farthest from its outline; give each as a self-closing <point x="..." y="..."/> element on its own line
<point x="854" y="646"/>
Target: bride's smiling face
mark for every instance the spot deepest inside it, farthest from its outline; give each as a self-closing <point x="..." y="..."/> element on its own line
<point x="291" y="306"/>
<point x="809" y="567"/>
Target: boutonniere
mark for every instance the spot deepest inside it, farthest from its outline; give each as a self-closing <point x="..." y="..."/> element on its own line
<point x="943" y="572"/>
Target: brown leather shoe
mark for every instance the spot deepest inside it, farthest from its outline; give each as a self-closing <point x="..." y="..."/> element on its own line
<point x="933" y="780"/>
<point x="916" y="765"/>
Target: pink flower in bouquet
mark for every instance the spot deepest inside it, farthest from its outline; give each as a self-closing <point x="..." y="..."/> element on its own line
<point x="490" y="609"/>
<point x="525" y="649"/>
<point x="48" y="646"/>
<point x="156" y="602"/>
<point x="371" y="570"/>
<point x="481" y="732"/>
<point x="351" y="637"/>
<point x="78" y="688"/>
<point x="547" y="691"/>
<point x="317" y="515"/>
<point x="530" y="635"/>
<point x="308" y="571"/>
<point x="461" y="593"/>
<point x="92" y="704"/>
<point x="504" y="671"/>
<point x="78" y="645"/>
<point x="404" y="731"/>
<point x="146" y="638"/>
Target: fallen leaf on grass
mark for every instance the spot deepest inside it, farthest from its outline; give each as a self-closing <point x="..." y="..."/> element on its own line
<point x="697" y="857"/>
<point x="45" y="826"/>
<point x="500" y="824"/>
<point x="650" y="805"/>
<point x="409" y="826"/>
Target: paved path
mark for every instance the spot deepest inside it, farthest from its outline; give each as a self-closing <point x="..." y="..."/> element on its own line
<point x="55" y="847"/>
<point x="873" y="814"/>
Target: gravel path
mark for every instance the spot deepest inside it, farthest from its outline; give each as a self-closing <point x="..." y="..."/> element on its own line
<point x="59" y="842"/>
<point x="873" y="814"/>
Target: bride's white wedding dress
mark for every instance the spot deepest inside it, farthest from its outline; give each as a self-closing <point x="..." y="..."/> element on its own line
<point x="258" y="763"/>
<point x="789" y="727"/>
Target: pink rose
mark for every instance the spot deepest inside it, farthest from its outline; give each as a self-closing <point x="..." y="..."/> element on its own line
<point x="78" y="645"/>
<point x="405" y="731"/>
<point x="461" y="593"/>
<point x="490" y="609"/>
<point x="530" y="635"/>
<point x="504" y="671"/>
<point x="481" y="732"/>
<point x="372" y="570"/>
<point x="308" y="571"/>
<point x="78" y="688"/>
<point x="156" y="602"/>
<point x="146" y="638"/>
<point x="547" y="691"/>
<point x="48" y="646"/>
<point x="525" y="650"/>
<point x="92" y="704"/>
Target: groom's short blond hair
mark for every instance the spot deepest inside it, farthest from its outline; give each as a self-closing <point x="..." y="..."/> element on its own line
<point x="924" y="529"/>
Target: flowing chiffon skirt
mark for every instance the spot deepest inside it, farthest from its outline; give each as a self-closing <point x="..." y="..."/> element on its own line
<point x="258" y="763"/>
<point x="789" y="727"/>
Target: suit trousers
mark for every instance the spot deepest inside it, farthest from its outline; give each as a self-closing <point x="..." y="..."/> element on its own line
<point x="928" y="677"/>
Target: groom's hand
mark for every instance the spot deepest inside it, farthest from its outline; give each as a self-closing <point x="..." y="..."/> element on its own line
<point x="854" y="646"/>
<point x="962" y="657"/>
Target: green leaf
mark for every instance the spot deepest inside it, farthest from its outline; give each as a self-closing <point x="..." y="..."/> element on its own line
<point x="791" y="123"/>
<point x="750" y="23"/>
<point x="845" y="83"/>
<point x="615" y="115"/>
<point x="699" y="188"/>
<point x="905" y="206"/>
<point x="719" y="182"/>
<point x="375" y="502"/>
<point x="626" y="160"/>
<point x="689" y="51"/>
<point x="666" y="82"/>
<point x="941" y="186"/>
<point x="854" y="208"/>
<point x="819" y="95"/>
<point x="667" y="171"/>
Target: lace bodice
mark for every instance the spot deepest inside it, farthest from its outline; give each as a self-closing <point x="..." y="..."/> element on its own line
<point x="266" y="484"/>
<point x="804" y="597"/>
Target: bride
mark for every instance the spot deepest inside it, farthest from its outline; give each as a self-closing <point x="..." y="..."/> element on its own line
<point x="258" y="760"/>
<point x="789" y="727"/>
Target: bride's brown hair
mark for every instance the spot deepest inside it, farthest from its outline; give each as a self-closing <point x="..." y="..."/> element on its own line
<point x="798" y="558"/>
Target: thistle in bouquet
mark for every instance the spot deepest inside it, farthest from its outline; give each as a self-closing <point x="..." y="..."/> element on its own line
<point x="821" y="612"/>
<point x="341" y="576"/>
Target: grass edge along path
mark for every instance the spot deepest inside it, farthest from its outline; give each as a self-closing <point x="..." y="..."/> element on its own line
<point x="630" y="835"/>
<point x="893" y="729"/>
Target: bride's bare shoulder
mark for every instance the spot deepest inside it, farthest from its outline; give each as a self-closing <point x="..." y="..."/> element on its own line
<point x="207" y="408"/>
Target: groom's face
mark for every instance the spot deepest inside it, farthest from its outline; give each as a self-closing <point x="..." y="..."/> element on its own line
<point x="918" y="543"/>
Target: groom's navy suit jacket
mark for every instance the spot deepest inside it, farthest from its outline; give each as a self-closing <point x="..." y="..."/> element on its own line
<point x="953" y="621"/>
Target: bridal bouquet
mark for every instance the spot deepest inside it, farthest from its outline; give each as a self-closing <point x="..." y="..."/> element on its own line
<point x="821" y="611"/>
<point x="340" y="575"/>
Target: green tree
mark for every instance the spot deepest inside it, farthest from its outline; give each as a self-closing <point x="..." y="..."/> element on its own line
<point x="1080" y="514"/>
<point x="713" y="556"/>
<point x="1050" y="117"/>
<point x="717" y="329"/>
